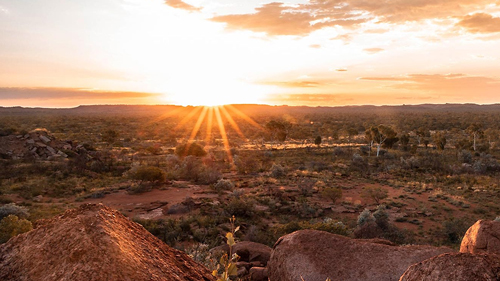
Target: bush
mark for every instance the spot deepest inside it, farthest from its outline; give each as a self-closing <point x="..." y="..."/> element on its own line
<point x="277" y="171"/>
<point x="365" y="217"/>
<point x="223" y="184"/>
<point x="13" y="209"/>
<point x="11" y="226"/>
<point x="187" y="149"/>
<point x="332" y="193"/>
<point x="149" y="174"/>
<point x="376" y="193"/>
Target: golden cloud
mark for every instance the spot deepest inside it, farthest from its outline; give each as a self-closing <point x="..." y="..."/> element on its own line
<point x="179" y="4"/>
<point x="480" y="23"/>
<point x="281" y="19"/>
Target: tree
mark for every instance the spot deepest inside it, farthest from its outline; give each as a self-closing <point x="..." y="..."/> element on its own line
<point x="317" y="141"/>
<point x="476" y="131"/>
<point x="278" y="129"/>
<point x="404" y="139"/>
<point x="440" y="140"/>
<point x="381" y="135"/>
<point x="376" y="193"/>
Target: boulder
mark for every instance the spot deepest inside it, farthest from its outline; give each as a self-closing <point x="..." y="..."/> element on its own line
<point x="317" y="255"/>
<point x="455" y="267"/>
<point x="259" y="274"/>
<point x="94" y="243"/>
<point x="482" y="237"/>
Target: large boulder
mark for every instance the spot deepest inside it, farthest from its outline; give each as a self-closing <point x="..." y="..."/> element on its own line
<point x="455" y="267"/>
<point x="482" y="237"/>
<point x="94" y="243"/>
<point x="317" y="255"/>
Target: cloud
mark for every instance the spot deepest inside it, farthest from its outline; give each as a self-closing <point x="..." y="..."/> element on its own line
<point x="179" y="4"/>
<point x="341" y="69"/>
<point x="445" y="84"/>
<point x="373" y="50"/>
<point x="280" y="19"/>
<point x="295" y="84"/>
<point x="480" y="23"/>
<point x="7" y="93"/>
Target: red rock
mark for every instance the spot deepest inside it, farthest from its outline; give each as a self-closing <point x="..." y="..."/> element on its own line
<point x="91" y="243"/>
<point x="317" y="255"/>
<point x="455" y="267"/>
<point x="482" y="237"/>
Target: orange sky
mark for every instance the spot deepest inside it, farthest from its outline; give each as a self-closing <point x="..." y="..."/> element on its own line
<point x="59" y="53"/>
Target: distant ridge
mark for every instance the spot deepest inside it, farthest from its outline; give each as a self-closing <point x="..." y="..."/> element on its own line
<point x="251" y="109"/>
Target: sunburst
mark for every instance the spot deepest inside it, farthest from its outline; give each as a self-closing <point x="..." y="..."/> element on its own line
<point x="206" y="115"/>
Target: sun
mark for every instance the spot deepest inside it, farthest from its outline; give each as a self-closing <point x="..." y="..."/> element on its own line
<point x="215" y="92"/>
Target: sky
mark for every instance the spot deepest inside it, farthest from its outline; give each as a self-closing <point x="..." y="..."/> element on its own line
<point x="65" y="53"/>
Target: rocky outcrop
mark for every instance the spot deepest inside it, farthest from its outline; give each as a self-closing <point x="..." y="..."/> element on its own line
<point x="94" y="243"/>
<point x="482" y="237"/>
<point x="455" y="267"/>
<point x="317" y="255"/>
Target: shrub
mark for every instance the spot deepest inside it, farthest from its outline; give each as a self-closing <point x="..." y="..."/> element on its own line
<point x="13" y="209"/>
<point x="187" y="149"/>
<point x="365" y="217"/>
<point x="277" y="171"/>
<point x="332" y="193"/>
<point x="376" y="193"/>
<point x="11" y="226"/>
<point x="223" y="184"/>
<point x="149" y="174"/>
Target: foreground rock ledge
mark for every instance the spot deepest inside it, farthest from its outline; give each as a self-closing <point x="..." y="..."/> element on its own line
<point x="94" y="243"/>
<point x="317" y="255"/>
<point x="455" y="267"/>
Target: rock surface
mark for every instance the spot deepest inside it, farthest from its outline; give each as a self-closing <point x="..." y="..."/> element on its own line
<point x="94" y="242"/>
<point x="455" y="267"/>
<point x="317" y="255"/>
<point x="482" y="237"/>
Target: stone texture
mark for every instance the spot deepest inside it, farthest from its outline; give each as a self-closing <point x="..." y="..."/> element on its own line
<point x="317" y="255"/>
<point x="455" y="267"/>
<point x="482" y="237"/>
<point x="94" y="243"/>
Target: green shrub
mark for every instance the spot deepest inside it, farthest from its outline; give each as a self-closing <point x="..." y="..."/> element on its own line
<point x="11" y="226"/>
<point x="13" y="209"/>
<point x="149" y="174"/>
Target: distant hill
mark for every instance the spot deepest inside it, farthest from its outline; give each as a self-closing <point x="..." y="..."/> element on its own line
<point x="249" y="109"/>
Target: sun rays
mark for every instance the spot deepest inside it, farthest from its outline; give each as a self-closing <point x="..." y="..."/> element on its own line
<point x="220" y="117"/>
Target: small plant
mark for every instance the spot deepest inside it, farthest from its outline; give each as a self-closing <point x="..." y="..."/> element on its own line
<point x="332" y="193"/>
<point x="11" y="226"/>
<point x="227" y="265"/>
<point x="224" y="184"/>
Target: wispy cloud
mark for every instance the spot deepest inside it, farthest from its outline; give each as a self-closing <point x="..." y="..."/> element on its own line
<point x="179" y="4"/>
<point x="480" y="23"/>
<point x="13" y="93"/>
<point x="446" y="84"/>
<point x="373" y="50"/>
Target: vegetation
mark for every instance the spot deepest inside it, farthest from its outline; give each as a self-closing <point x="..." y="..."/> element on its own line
<point x="434" y="168"/>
